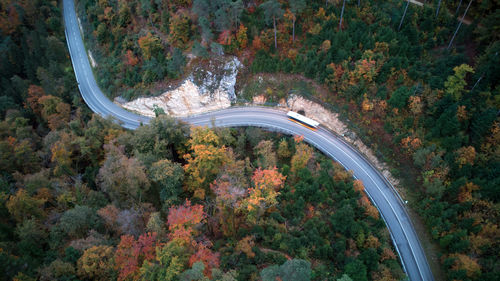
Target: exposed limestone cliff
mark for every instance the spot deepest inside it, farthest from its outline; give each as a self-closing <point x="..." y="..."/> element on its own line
<point x="209" y="87"/>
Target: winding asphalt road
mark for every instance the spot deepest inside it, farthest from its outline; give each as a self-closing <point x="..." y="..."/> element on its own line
<point x="376" y="186"/>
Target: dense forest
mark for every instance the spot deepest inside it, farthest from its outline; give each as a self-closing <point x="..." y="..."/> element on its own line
<point x="84" y="199"/>
<point x="427" y="104"/>
<point x="166" y="202"/>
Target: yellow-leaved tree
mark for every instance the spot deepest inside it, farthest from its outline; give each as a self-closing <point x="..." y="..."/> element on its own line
<point x="204" y="163"/>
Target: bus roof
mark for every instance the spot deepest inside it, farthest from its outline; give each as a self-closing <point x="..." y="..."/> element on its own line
<point x="303" y="119"/>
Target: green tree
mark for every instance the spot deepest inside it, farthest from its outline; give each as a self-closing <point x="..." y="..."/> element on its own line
<point x="161" y="139"/>
<point x="58" y="270"/>
<point x="195" y="273"/>
<point x="273" y="12"/>
<point x="296" y="7"/>
<point x="123" y="178"/>
<point x="344" y="277"/>
<point x="266" y="157"/>
<point x="32" y="240"/>
<point x="356" y="269"/>
<point x="156" y="224"/>
<point x="22" y="206"/>
<point x="24" y="156"/>
<point x="235" y="10"/>
<point x="150" y="45"/>
<point x="158" y="110"/>
<point x="291" y="270"/>
<point x="124" y="14"/>
<point x="176" y="64"/>
<point x="6" y="103"/>
<point x="31" y="230"/>
<point x="202" y="8"/>
<point x="198" y="50"/>
<point x="102" y="33"/>
<point x="303" y="154"/>
<point x="78" y="221"/>
<point x="169" y="262"/>
<point x="399" y="98"/>
<point x="168" y="176"/>
<point x="222" y="20"/>
<point x="180" y="29"/>
<point x="96" y="263"/>
<point x="455" y="84"/>
<point x="283" y="149"/>
<point x="206" y="32"/>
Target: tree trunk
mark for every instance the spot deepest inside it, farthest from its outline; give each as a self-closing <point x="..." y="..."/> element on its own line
<point x="437" y="10"/>
<point x="341" y="16"/>
<point x="477" y="82"/>
<point x="458" y="8"/>
<point x="359" y="2"/>
<point x="275" y="40"/>
<point x="481" y="77"/>
<point x="404" y="14"/>
<point x="293" y="29"/>
<point x="459" y="25"/>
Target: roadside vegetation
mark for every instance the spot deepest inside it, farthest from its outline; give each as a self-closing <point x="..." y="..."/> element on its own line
<point x="76" y="189"/>
<point x="88" y="200"/>
<point x="429" y="107"/>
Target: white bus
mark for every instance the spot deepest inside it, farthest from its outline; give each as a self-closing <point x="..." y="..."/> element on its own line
<point x="301" y="119"/>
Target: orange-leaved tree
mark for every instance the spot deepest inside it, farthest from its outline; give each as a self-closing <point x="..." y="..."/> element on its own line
<point x="130" y="58"/>
<point x="183" y="219"/>
<point x="266" y="184"/>
<point x="205" y="160"/>
<point x="241" y="37"/>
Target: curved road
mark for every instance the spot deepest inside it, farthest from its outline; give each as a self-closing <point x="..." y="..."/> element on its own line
<point x="376" y="186"/>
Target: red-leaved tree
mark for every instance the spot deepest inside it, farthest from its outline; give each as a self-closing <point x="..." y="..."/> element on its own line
<point x="209" y="258"/>
<point x="131" y="253"/>
<point x="182" y="220"/>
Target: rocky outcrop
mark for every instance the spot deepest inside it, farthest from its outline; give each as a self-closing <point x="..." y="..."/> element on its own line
<point x="209" y="87"/>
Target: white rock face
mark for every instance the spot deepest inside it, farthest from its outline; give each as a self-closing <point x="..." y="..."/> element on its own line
<point x="219" y="74"/>
<point x="208" y="88"/>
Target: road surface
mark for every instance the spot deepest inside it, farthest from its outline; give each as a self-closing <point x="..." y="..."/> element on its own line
<point x="376" y="186"/>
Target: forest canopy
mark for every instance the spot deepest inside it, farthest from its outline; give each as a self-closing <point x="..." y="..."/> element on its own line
<point x="103" y="203"/>
<point x="84" y="199"/>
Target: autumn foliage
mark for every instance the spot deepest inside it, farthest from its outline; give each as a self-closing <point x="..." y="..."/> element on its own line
<point x="266" y="184"/>
<point x="209" y="258"/>
<point x="370" y="210"/>
<point x="183" y="219"/>
<point x="205" y="160"/>
<point x="130" y="58"/>
<point x="131" y="253"/>
<point x="149" y="45"/>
